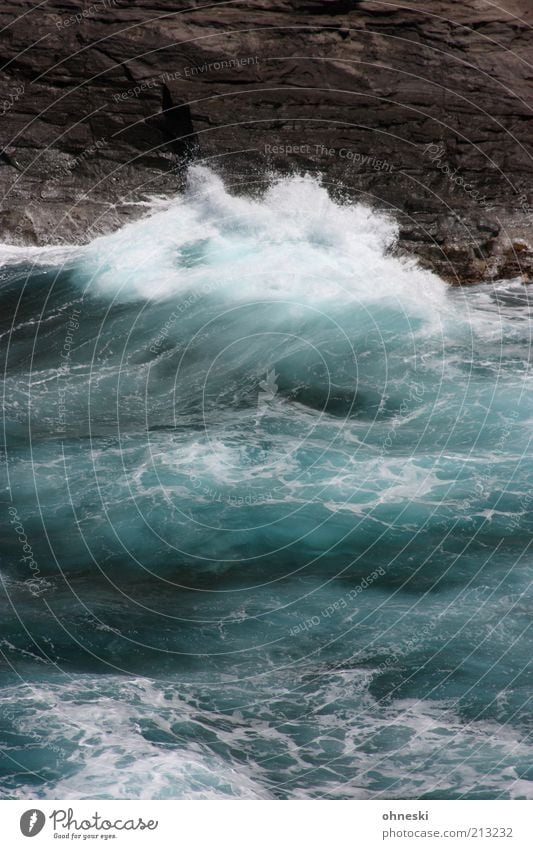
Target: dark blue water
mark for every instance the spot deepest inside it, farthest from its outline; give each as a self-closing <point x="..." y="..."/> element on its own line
<point x="267" y="512"/>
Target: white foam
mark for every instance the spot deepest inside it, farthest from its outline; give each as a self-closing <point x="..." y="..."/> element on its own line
<point x="99" y="732"/>
<point x="137" y="738"/>
<point x="294" y="241"/>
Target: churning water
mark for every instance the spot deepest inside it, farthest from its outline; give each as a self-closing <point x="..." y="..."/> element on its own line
<point x="267" y="517"/>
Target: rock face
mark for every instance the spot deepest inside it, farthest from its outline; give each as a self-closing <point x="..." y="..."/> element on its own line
<point x="425" y="112"/>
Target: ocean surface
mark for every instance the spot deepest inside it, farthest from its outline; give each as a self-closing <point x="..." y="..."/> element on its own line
<point x="267" y="512"/>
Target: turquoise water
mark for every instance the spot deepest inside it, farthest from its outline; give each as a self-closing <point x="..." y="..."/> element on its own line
<point x="267" y="512"/>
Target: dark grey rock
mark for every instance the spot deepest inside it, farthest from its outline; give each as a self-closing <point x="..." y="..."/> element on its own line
<point x="424" y="112"/>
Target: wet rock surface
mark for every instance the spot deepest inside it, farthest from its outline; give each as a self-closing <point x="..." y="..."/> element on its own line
<point x="422" y="112"/>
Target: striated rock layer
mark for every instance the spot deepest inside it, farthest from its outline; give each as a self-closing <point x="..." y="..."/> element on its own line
<point x="422" y="109"/>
